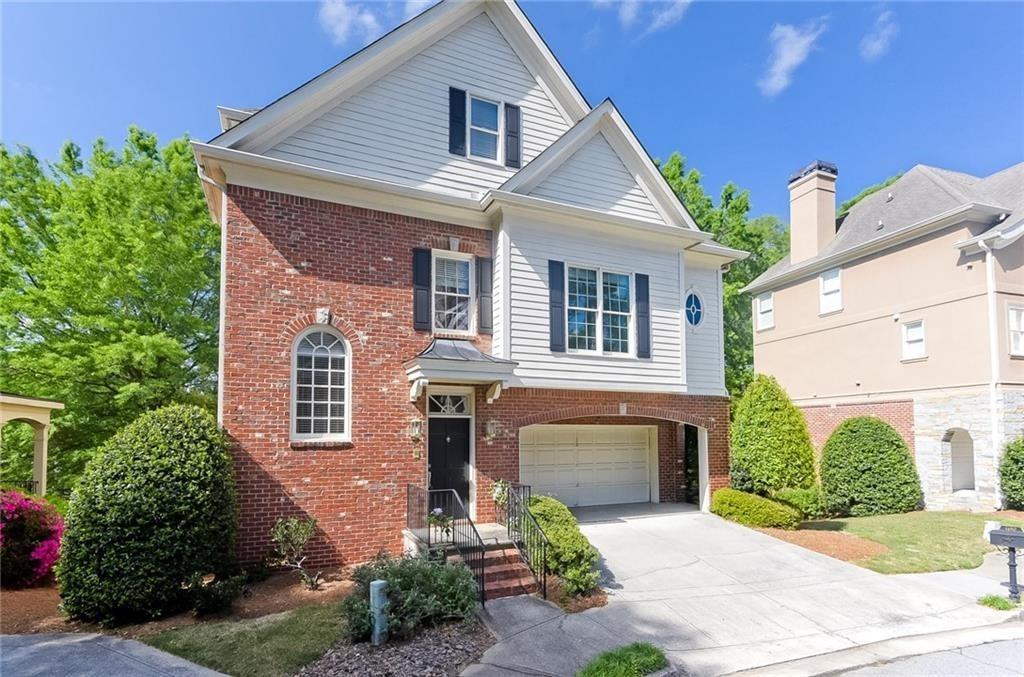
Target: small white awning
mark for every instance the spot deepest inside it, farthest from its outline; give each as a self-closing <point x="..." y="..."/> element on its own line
<point x="457" y="361"/>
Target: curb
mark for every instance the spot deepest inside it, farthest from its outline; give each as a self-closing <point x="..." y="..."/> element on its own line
<point x="892" y="649"/>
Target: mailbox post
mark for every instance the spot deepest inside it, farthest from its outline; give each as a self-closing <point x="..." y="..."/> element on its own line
<point x="1010" y="538"/>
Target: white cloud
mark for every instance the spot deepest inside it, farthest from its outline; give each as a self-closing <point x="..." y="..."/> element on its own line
<point x="877" y="41"/>
<point x="344" y="20"/>
<point x="628" y="10"/>
<point x="668" y="15"/>
<point x="791" y="45"/>
<point x="414" y="7"/>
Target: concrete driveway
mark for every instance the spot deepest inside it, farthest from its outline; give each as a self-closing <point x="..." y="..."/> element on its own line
<point x="718" y="598"/>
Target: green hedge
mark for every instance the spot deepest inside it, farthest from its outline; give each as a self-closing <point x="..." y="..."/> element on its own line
<point x="808" y="501"/>
<point x="753" y="510"/>
<point x="1011" y="474"/>
<point x="770" y="446"/>
<point x="571" y="556"/>
<point x="421" y="593"/>
<point x="866" y="469"/>
<point x="154" y="509"/>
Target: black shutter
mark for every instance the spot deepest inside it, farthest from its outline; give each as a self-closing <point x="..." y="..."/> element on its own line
<point x="556" y="304"/>
<point x="484" y="285"/>
<point x="421" y="289"/>
<point x="513" y="135"/>
<point x="456" y="121"/>
<point x="643" y="316"/>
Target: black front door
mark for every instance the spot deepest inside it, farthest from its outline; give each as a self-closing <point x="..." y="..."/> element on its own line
<point x="448" y="455"/>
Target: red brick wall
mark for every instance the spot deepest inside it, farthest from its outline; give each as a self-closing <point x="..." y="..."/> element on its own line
<point x="286" y="256"/>
<point x="823" y="419"/>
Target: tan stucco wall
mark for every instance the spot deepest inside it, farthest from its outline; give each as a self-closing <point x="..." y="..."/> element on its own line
<point x="858" y="350"/>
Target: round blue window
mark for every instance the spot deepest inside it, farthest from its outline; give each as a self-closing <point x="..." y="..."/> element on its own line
<point x="694" y="309"/>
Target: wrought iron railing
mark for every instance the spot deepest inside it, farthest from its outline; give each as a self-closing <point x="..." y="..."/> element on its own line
<point x="30" y="486"/>
<point x="526" y="534"/>
<point x="438" y="517"/>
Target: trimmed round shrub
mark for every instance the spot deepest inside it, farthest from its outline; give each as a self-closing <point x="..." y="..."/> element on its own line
<point x="770" y="446"/>
<point x="30" y="532"/>
<point x="1011" y="474"/>
<point x="753" y="510"/>
<point x="154" y="509"/>
<point x="808" y="501"/>
<point x="866" y="469"/>
<point x="571" y="557"/>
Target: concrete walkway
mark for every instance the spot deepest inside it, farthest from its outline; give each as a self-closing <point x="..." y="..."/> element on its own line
<point x="80" y="655"/>
<point x="718" y="598"/>
<point x="996" y="659"/>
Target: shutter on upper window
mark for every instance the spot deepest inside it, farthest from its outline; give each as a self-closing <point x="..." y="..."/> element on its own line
<point x="556" y="304"/>
<point x="513" y="136"/>
<point x="643" y="316"/>
<point x="456" y="121"/>
<point x="484" y="282"/>
<point x="421" y="289"/>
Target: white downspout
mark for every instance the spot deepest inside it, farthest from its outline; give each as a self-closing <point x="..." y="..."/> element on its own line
<point x="223" y="287"/>
<point x="993" y="347"/>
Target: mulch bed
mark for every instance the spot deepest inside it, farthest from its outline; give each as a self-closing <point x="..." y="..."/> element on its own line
<point x="436" y="652"/>
<point x="574" y="604"/>
<point x="838" y="544"/>
<point x="34" y="610"/>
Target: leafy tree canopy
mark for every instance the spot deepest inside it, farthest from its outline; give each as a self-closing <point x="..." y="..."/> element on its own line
<point x="108" y="290"/>
<point x="765" y="237"/>
<point x="848" y="205"/>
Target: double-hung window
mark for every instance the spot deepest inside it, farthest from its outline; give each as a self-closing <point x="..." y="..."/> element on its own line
<point x="831" y="292"/>
<point x="321" y="386"/>
<point x="453" y="293"/>
<point x="600" y="310"/>
<point x="913" y="341"/>
<point x="766" y="311"/>
<point x="484" y="123"/>
<point x="1015" y="321"/>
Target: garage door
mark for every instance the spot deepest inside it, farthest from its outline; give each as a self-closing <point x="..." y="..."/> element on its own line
<point x="587" y="464"/>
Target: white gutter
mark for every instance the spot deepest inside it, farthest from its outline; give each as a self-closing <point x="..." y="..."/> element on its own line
<point x="223" y="287"/>
<point x="993" y="346"/>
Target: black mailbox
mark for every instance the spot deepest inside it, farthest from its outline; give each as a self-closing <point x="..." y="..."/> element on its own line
<point x="1007" y="537"/>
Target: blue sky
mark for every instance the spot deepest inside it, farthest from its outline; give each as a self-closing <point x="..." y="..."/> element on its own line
<point x="747" y="91"/>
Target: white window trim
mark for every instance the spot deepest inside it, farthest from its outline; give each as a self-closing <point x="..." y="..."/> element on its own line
<point x="759" y="300"/>
<point x="1010" y="309"/>
<point x="703" y="308"/>
<point x="599" y="351"/>
<point x="499" y="151"/>
<point x="822" y="294"/>
<point x="293" y="407"/>
<point x="904" y="343"/>
<point x="461" y="256"/>
<point x="470" y="394"/>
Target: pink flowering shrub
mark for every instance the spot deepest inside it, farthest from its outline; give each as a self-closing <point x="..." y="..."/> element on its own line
<point x="30" y="532"/>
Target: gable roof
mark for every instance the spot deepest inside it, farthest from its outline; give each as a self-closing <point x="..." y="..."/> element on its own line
<point x="922" y="200"/>
<point x="605" y="121"/>
<point x="275" y="121"/>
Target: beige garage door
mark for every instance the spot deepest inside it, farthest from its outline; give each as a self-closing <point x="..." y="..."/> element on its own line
<point x="587" y="464"/>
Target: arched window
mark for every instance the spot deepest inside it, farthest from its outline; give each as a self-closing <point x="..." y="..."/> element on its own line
<point x="694" y="308"/>
<point x="321" y="386"/>
<point x="961" y="455"/>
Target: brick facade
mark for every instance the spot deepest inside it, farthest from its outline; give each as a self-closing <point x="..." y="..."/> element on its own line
<point x="288" y="256"/>
<point x="823" y="419"/>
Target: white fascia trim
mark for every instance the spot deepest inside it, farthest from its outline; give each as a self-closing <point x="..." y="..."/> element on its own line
<point x="228" y="115"/>
<point x="453" y="371"/>
<point x="497" y="200"/>
<point x="995" y="238"/>
<point x="607" y="119"/>
<point x="603" y="386"/>
<point x="339" y="187"/>
<point x="727" y="254"/>
<point x="965" y="212"/>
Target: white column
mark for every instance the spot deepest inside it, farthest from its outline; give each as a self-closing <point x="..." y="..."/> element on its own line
<point x="39" y="458"/>
<point x="703" y="470"/>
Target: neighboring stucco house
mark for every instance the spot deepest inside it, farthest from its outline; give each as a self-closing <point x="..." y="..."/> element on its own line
<point x="911" y="308"/>
<point x="442" y="266"/>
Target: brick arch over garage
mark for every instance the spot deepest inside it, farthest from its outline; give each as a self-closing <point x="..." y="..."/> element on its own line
<point x="616" y="409"/>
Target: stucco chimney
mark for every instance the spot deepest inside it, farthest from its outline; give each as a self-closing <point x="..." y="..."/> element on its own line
<point x="812" y="210"/>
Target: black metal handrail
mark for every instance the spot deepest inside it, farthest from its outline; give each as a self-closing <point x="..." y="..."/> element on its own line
<point x="526" y="534"/>
<point x="439" y="517"/>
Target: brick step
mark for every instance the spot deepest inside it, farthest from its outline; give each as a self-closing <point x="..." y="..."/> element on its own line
<point x="510" y="587"/>
<point x="504" y="572"/>
<point x="502" y="556"/>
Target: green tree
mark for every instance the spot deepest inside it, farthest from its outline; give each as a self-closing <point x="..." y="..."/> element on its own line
<point x="770" y="445"/>
<point x="848" y="205"/>
<point x="765" y="237"/>
<point x="108" y="290"/>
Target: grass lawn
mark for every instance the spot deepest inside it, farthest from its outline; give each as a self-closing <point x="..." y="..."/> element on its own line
<point x="920" y="541"/>
<point x="270" y="646"/>
<point x="634" y="660"/>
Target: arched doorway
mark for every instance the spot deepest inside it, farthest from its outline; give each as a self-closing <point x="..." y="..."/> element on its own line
<point x="961" y="455"/>
<point x="36" y="413"/>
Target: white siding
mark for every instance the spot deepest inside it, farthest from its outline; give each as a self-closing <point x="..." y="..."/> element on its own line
<point x="596" y="178"/>
<point x="532" y="245"/>
<point x="705" y="371"/>
<point x="396" y="128"/>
